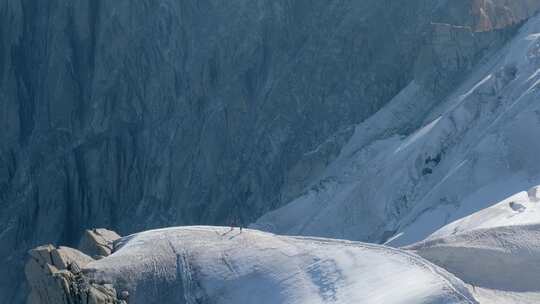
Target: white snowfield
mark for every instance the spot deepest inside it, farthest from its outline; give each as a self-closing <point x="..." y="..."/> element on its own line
<point x="215" y="265"/>
<point x="421" y="162"/>
<point x="496" y="249"/>
<point x="521" y="209"/>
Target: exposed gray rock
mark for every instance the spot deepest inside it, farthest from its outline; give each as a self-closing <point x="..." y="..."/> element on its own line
<point x="98" y="242"/>
<point x="63" y="257"/>
<point x="55" y="277"/>
<point x="156" y="113"/>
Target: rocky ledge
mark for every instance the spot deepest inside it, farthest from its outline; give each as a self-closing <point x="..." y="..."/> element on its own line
<point x="55" y="274"/>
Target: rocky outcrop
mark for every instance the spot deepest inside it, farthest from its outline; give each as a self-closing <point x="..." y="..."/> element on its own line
<point x="55" y="275"/>
<point x="485" y="15"/>
<point x="461" y="33"/>
<point x="98" y="242"/>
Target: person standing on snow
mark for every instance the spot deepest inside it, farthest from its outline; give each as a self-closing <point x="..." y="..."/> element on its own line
<point x="240" y="223"/>
<point x="236" y="221"/>
<point x="232" y="222"/>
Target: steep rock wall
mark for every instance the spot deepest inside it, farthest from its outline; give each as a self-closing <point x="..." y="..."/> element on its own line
<point x="139" y="115"/>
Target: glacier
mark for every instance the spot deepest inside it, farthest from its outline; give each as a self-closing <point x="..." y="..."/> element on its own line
<point x="467" y="151"/>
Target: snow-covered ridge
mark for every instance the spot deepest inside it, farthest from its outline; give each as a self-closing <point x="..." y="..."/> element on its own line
<point x="216" y="265"/>
<point x="491" y="256"/>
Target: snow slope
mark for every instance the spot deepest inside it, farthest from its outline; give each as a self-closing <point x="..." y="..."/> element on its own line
<point x="495" y="248"/>
<point x="215" y="265"/>
<point x="423" y="162"/>
<point x="521" y="209"/>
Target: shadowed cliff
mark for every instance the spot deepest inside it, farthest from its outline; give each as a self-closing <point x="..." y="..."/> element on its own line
<point x="139" y="115"/>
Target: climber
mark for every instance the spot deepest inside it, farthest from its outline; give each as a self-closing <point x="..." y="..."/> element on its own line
<point x="236" y="221"/>
<point x="240" y="223"/>
<point x="232" y="222"/>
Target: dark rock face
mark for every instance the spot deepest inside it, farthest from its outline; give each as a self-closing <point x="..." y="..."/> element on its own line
<point x="139" y="115"/>
<point x="451" y="51"/>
